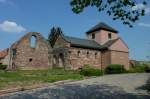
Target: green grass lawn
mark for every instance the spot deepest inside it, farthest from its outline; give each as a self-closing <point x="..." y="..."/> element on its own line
<point x="30" y="77"/>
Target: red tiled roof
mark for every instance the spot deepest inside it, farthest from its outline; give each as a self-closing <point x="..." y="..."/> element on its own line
<point x="3" y="53"/>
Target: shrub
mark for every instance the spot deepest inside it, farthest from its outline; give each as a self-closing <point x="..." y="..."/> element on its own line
<point x="139" y="69"/>
<point x="135" y="70"/>
<point x="147" y="68"/>
<point x="115" y="69"/>
<point x="88" y="70"/>
<point x="3" y="67"/>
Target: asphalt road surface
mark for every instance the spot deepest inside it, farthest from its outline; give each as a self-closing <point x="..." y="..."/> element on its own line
<point x="123" y="86"/>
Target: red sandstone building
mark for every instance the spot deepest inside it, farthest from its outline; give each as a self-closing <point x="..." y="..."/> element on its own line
<point x="102" y="47"/>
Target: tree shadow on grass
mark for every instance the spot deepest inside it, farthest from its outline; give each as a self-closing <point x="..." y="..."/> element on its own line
<point x="76" y="91"/>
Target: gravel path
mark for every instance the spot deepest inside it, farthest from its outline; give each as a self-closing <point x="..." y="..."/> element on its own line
<point x="124" y="86"/>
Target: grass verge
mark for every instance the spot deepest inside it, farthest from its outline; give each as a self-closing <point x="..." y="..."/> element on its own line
<point x="29" y="77"/>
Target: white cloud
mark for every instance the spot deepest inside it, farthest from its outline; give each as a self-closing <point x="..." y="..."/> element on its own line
<point x="144" y="24"/>
<point x="2" y="1"/>
<point x="147" y="10"/>
<point x="138" y="7"/>
<point x="10" y="26"/>
<point x="141" y="7"/>
<point x="7" y="2"/>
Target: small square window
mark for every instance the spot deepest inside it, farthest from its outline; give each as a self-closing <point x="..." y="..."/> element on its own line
<point x="93" y="36"/>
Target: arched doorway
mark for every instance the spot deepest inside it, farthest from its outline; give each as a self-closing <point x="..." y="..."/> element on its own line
<point x="61" y="60"/>
<point x="13" y="66"/>
<point x="54" y="61"/>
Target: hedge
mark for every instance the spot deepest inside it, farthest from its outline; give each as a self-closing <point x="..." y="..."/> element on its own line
<point x="139" y="69"/>
<point x="3" y="67"/>
<point x="88" y="70"/>
<point x="115" y="69"/>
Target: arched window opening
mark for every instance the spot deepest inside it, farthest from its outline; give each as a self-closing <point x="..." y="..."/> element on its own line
<point x="87" y="54"/>
<point x="13" y="66"/>
<point x="69" y="52"/>
<point x="93" y="36"/>
<point x="109" y="36"/>
<point x="96" y="55"/>
<point x="33" y="41"/>
<point x="14" y="51"/>
<point x="78" y="53"/>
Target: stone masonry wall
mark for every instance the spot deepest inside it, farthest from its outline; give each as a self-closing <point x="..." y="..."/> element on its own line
<point x="28" y="57"/>
<point x="79" y="57"/>
<point x="65" y="56"/>
<point x="60" y="54"/>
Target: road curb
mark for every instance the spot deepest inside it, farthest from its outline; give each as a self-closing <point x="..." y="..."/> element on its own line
<point x="36" y="86"/>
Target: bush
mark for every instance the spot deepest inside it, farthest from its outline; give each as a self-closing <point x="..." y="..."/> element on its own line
<point x="147" y="68"/>
<point x="115" y="69"/>
<point x="3" y="67"/>
<point x="139" y="69"/>
<point x="88" y="70"/>
<point x="135" y="70"/>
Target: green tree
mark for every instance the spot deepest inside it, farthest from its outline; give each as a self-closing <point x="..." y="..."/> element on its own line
<point x="117" y="9"/>
<point x="53" y="35"/>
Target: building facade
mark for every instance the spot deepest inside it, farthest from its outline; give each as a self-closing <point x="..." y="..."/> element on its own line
<point x="102" y="47"/>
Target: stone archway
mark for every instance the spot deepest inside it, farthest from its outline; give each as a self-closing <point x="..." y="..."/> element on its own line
<point x="61" y="60"/>
<point x="13" y="66"/>
<point x="54" y="61"/>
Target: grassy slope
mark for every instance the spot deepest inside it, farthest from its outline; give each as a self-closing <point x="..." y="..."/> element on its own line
<point x="25" y="78"/>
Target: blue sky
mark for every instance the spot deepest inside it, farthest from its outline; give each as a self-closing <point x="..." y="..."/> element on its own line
<point x="20" y="16"/>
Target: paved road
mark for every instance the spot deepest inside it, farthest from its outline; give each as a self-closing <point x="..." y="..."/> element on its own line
<point x="124" y="86"/>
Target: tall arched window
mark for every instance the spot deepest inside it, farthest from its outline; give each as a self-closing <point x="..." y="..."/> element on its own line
<point x="14" y="51"/>
<point x="33" y="41"/>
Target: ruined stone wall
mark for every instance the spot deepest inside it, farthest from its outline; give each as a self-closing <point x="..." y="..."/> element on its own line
<point x="28" y="57"/>
<point x="61" y="43"/>
<point x="60" y="54"/>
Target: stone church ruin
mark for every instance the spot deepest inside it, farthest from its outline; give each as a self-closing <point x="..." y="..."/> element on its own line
<point x="102" y="47"/>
